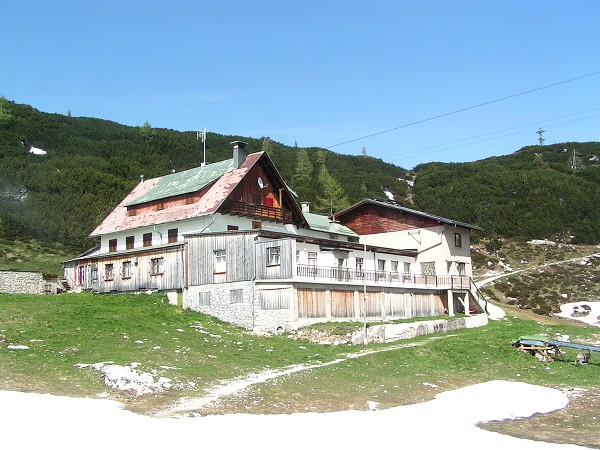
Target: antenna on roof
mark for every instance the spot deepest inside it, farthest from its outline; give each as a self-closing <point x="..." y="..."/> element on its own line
<point x="201" y="134"/>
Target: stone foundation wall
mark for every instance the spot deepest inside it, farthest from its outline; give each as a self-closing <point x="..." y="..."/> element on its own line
<point x="218" y="302"/>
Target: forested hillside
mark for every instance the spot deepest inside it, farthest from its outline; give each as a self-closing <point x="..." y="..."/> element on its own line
<point x="91" y="164"/>
<point x="538" y="192"/>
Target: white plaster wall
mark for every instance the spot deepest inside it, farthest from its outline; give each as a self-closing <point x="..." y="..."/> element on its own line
<point x="329" y="258"/>
<point x="206" y="224"/>
<point x="433" y="244"/>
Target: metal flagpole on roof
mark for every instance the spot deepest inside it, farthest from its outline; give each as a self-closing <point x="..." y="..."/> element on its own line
<point x="202" y="135"/>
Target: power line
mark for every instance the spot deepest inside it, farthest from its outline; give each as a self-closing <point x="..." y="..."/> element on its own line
<point x="464" y="109"/>
<point x="464" y="142"/>
<point x="537" y="122"/>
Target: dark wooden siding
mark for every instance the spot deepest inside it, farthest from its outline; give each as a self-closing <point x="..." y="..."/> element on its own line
<point x="201" y="258"/>
<point x="373" y="219"/>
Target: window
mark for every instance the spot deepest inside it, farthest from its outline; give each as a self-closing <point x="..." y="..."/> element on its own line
<point x="359" y="267"/>
<point x="129" y="242"/>
<point x="462" y="268"/>
<point x="394" y="269"/>
<point x="457" y="240"/>
<point x="341" y="269"/>
<point x="147" y="239"/>
<point x="256" y="199"/>
<point x="220" y="261"/>
<point x="406" y="271"/>
<point x="312" y="259"/>
<point x="173" y="234"/>
<point x="274" y="256"/>
<point x="204" y="299"/>
<point x="112" y="245"/>
<point x="297" y="256"/>
<point x="381" y="266"/>
<point x="232" y="227"/>
<point x="236" y="296"/>
<point x="256" y="225"/>
<point x="157" y="266"/>
<point x="126" y="272"/>
<point x="109" y="272"/>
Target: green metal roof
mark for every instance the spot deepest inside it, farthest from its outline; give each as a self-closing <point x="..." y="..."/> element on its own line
<point x="322" y="223"/>
<point x="185" y="182"/>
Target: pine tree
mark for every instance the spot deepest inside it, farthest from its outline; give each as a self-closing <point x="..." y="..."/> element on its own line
<point x="331" y="198"/>
<point x="267" y="146"/>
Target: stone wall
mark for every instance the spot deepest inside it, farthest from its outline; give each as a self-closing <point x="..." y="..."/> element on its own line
<point x="218" y="300"/>
<point x="242" y="308"/>
<point x="398" y="331"/>
<point x="26" y="283"/>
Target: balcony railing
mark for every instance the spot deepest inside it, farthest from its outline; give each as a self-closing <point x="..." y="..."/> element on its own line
<point x="390" y="278"/>
<point x="259" y="211"/>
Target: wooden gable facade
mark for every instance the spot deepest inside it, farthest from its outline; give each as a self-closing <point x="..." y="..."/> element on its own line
<point x="372" y="218"/>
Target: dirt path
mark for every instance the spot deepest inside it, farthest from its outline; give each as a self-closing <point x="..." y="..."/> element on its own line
<point x="237" y="386"/>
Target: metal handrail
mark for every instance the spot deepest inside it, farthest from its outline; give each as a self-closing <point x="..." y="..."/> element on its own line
<point x="380" y="277"/>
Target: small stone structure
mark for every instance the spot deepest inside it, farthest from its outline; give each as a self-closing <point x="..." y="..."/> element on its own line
<point x="13" y="282"/>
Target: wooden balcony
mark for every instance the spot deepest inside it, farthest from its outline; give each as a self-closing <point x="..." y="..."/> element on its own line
<point x="239" y="208"/>
<point x="395" y="279"/>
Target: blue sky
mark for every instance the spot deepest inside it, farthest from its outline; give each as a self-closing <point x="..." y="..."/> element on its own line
<point x="318" y="73"/>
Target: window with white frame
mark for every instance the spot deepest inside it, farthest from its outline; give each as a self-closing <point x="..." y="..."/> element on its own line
<point x="157" y="266"/>
<point x="359" y="267"/>
<point x="126" y="269"/>
<point x="273" y="256"/>
<point x="462" y="268"/>
<point x="381" y="266"/>
<point x="406" y="271"/>
<point x="312" y="259"/>
<point x="394" y="269"/>
<point x="220" y="261"/>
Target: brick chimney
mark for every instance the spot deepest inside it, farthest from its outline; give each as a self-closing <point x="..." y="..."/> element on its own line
<point x="239" y="153"/>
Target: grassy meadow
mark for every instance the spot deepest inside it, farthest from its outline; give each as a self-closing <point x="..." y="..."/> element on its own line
<point x="198" y="352"/>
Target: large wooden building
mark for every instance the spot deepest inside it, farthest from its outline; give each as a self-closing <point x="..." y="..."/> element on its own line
<point x="228" y="239"/>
